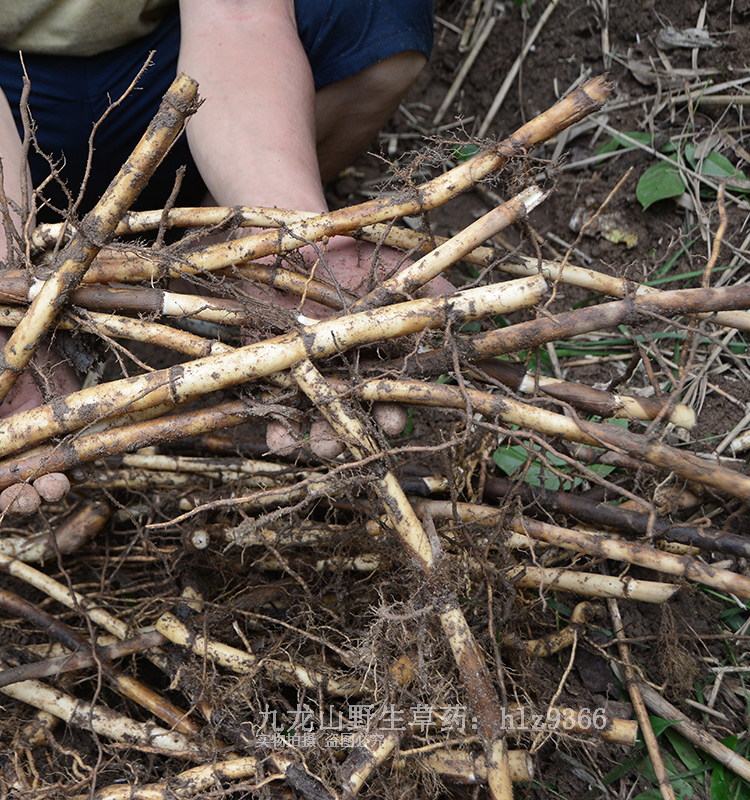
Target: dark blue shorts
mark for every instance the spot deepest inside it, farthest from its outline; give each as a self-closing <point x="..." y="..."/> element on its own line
<point x="69" y="93"/>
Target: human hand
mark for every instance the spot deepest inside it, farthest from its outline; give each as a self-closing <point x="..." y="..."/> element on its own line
<point x="48" y="375"/>
<point x="348" y="263"/>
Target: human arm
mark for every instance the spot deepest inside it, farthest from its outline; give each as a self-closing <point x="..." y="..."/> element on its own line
<point x="253" y="139"/>
<point x="263" y="130"/>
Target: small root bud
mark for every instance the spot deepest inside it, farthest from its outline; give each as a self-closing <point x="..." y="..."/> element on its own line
<point x="282" y="438"/>
<point x="391" y="417"/>
<point x="20" y="500"/>
<point x="52" y="487"/>
<point x="325" y="443"/>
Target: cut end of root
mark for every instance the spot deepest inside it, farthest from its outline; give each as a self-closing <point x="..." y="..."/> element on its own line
<point x="598" y="89"/>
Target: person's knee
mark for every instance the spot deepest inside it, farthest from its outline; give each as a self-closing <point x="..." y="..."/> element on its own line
<point x="376" y="90"/>
<point x="351" y="112"/>
<point x="392" y="78"/>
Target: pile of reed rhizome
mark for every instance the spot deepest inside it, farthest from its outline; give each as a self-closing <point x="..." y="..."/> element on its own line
<point x="202" y="617"/>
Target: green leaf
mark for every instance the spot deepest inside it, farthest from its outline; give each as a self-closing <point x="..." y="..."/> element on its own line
<point x="471" y="327"/>
<point x="658" y="724"/>
<point x="685" y="751"/>
<point x="622" y="769"/>
<point x="465" y="152"/>
<point x="511" y="459"/>
<point x="409" y="427"/>
<point x="734" y="618"/>
<point x="720" y="784"/>
<point x="730" y="742"/>
<point x="659" y="182"/>
<point x="713" y="165"/>
<point x="616" y="142"/>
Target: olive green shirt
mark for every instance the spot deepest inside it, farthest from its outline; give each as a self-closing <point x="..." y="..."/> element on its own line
<point x="77" y="27"/>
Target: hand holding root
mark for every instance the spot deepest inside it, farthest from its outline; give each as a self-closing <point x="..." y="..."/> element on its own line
<point x="23" y="499"/>
<point x="418" y="276"/>
<point x="349" y="264"/>
<point x="325" y="227"/>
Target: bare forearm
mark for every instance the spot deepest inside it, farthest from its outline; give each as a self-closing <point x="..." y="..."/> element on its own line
<point x="254" y="138"/>
<point x="11" y="155"/>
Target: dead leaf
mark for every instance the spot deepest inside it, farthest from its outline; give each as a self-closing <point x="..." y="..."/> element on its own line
<point x="669" y="38"/>
<point x="612" y="226"/>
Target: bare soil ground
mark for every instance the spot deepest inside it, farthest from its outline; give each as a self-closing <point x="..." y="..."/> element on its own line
<point x="314" y="587"/>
